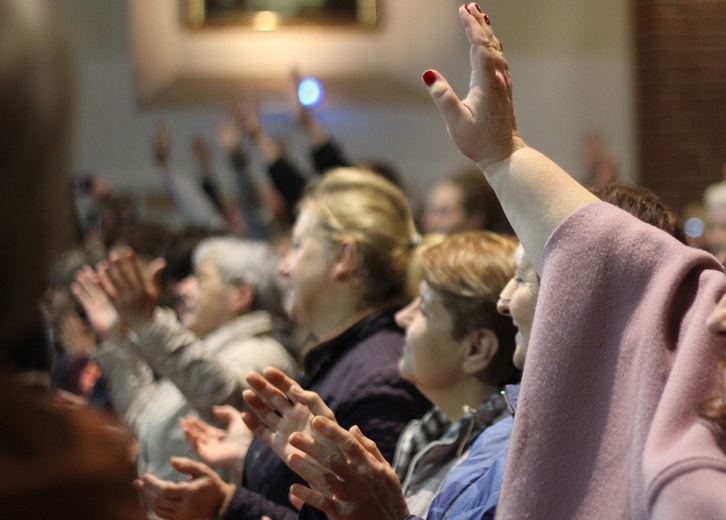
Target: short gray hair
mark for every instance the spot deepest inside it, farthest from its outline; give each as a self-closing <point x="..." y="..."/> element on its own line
<point x="244" y="261"/>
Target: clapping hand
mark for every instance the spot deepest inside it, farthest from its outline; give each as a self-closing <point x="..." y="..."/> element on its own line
<point x="225" y="449"/>
<point x="133" y="292"/>
<point x="280" y="407"/>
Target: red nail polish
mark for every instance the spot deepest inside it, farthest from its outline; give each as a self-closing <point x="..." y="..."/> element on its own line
<point x="467" y="8"/>
<point x="429" y="77"/>
<point x="477" y="7"/>
<point x="486" y="19"/>
<point x="501" y="46"/>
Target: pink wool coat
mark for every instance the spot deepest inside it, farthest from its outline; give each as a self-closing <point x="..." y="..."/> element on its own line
<point x="619" y="359"/>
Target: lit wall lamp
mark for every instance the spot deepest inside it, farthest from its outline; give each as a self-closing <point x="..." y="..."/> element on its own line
<point x="310" y="92"/>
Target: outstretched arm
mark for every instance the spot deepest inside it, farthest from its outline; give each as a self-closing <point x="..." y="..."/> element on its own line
<point x="536" y="194"/>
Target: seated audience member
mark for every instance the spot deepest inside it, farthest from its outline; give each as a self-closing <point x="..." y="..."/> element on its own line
<point x="352" y="244"/>
<point x="226" y="331"/>
<point x="325" y="153"/>
<point x="644" y="205"/>
<point x="56" y="462"/>
<point x="458" y="352"/>
<point x="464" y="201"/>
<point x="471" y="489"/>
<point x="72" y="337"/>
<point x="601" y="164"/>
<point x="194" y="205"/>
<point x="178" y="265"/>
<point x="260" y="206"/>
<point x="620" y="356"/>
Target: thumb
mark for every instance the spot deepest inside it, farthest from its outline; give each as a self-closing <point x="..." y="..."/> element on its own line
<point x="446" y="100"/>
<point x="190" y="467"/>
<point x="296" y="502"/>
<point x="156" y="267"/>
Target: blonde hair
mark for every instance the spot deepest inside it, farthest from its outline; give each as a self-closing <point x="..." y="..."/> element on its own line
<point x="415" y="273"/>
<point x="368" y="209"/>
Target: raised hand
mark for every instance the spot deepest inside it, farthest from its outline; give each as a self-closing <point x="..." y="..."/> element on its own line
<point x="219" y="448"/>
<point x="229" y="135"/>
<point x="280" y="408"/>
<point x="100" y="311"/>
<point x="483" y="125"/>
<point x="75" y="337"/>
<point x="304" y="116"/>
<point x="201" y="496"/>
<point x="130" y="290"/>
<point x="162" y="145"/>
<point x="350" y="479"/>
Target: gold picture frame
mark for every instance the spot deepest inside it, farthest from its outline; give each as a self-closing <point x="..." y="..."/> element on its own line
<point x="267" y="15"/>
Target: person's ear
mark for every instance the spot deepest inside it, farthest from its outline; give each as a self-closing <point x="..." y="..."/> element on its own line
<point x="481" y="347"/>
<point x="243" y="298"/>
<point x="346" y="259"/>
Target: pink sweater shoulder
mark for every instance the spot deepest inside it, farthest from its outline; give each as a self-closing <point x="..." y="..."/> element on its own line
<point x="618" y="360"/>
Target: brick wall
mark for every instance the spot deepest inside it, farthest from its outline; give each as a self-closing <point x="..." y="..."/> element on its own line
<point x="680" y="61"/>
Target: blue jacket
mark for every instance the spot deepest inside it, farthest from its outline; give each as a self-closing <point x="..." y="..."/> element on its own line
<point x="471" y="490"/>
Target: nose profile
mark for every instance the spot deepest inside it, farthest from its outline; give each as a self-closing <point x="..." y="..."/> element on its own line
<point x="404" y="316"/>
<point x="504" y="297"/>
<point x="503" y="306"/>
<point x="284" y="268"/>
<point x="716" y="323"/>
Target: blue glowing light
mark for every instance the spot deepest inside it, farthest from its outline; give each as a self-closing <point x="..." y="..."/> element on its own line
<point x="695" y="227"/>
<point x="310" y="92"/>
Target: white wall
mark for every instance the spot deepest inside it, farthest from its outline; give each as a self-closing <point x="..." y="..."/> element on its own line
<point x="571" y="63"/>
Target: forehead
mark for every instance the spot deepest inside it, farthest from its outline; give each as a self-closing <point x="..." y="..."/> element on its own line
<point x="206" y="267"/>
<point x="446" y="193"/>
<point x="429" y="296"/>
<point x="305" y="223"/>
<point x="521" y="261"/>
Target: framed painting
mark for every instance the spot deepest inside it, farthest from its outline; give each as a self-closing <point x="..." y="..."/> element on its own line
<point x="267" y="15"/>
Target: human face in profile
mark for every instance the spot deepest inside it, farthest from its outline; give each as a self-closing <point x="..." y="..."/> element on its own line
<point x="432" y="358"/>
<point x="308" y="268"/>
<point x="716" y="323"/>
<point x="518" y="299"/>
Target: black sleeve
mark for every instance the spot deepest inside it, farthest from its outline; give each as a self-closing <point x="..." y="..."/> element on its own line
<point x="327" y="156"/>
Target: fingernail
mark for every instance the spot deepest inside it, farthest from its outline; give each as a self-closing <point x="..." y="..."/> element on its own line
<point x="477" y="7"/>
<point x="486" y="19"/>
<point x="501" y="46"/>
<point x="429" y="77"/>
<point x="467" y="8"/>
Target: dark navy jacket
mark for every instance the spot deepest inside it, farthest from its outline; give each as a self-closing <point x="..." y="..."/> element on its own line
<point x="356" y="374"/>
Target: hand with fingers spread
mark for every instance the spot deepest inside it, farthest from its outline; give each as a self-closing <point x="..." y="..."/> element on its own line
<point x="280" y="408"/>
<point x="100" y="311"/>
<point x="483" y="125"/>
<point x="134" y="293"/>
<point x="202" y="496"/>
<point x="357" y="482"/>
<point x="225" y="449"/>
